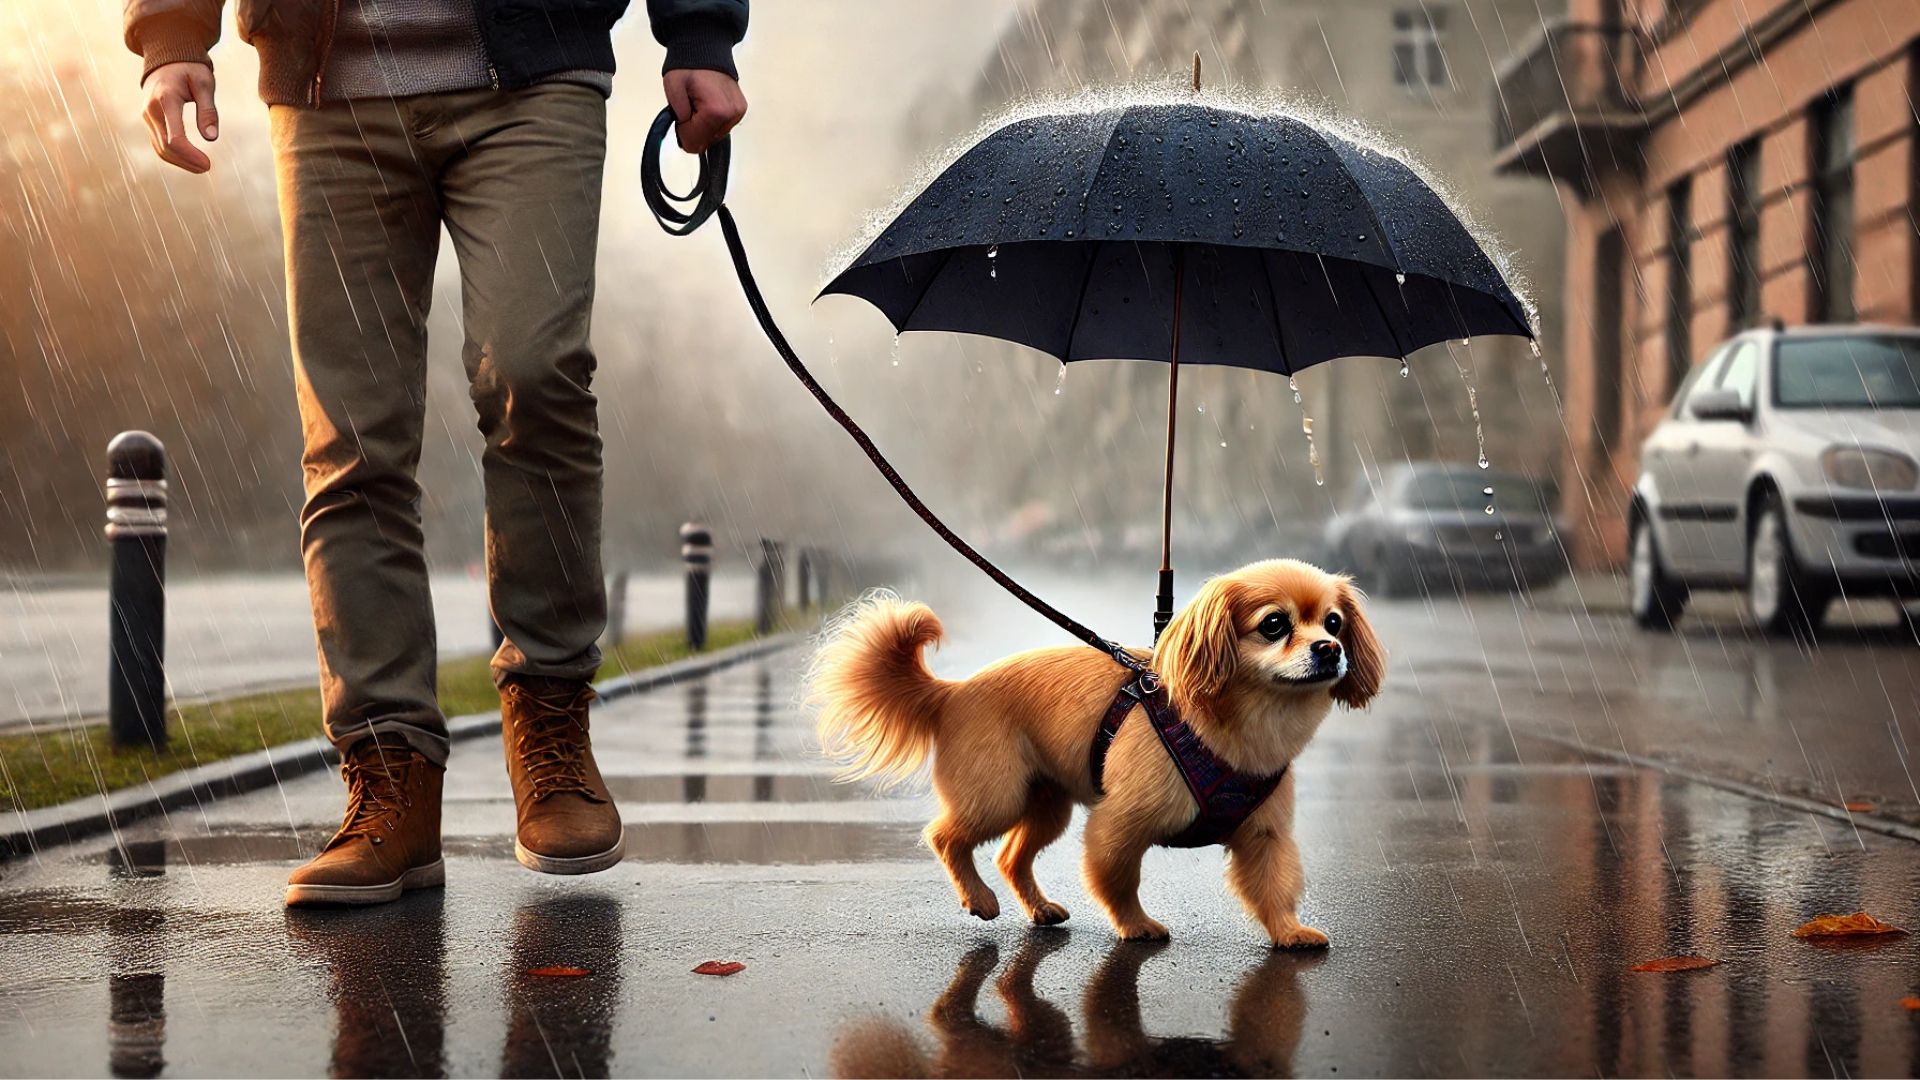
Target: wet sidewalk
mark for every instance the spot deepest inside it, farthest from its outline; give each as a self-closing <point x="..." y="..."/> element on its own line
<point x="1485" y="907"/>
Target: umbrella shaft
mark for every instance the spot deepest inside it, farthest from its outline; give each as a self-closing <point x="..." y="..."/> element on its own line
<point x="1163" y="605"/>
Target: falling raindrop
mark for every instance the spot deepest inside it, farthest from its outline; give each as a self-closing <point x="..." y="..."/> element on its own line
<point x="1295" y="387"/>
<point x="1479" y="431"/>
<point x="1203" y="408"/>
<point x="1487" y="491"/>
<point x="993" y="267"/>
<point x="1060" y="383"/>
<point x="1403" y="367"/>
<point x="1498" y="535"/>
<point x="1489" y="509"/>
<point x="1534" y="345"/>
<point x="1313" y="452"/>
<point x="896" y="350"/>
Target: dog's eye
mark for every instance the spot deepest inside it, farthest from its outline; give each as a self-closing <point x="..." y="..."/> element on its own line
<point x="1334" y="623"/>
<point x="1275" y="626"/>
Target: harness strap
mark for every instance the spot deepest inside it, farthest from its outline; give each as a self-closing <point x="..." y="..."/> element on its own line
<point x="1224" y="796"/>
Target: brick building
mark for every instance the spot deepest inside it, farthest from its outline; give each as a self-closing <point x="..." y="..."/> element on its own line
<point x="1723" y="163"/>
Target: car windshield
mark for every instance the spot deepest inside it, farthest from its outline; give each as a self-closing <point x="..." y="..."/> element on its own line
<point x="1848" y="373"/>
<point x="1463" y="491"/>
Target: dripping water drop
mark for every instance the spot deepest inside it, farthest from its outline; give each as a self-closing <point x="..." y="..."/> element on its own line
<point x="1295" y="387"/>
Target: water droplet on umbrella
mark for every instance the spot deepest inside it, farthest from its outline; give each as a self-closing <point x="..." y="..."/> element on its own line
<point x="993" y="268"/>
<point x="1399" y="278"/>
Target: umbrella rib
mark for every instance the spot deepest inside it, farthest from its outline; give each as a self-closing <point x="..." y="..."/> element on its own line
<point x="1392" y="330"/>
<point x="1273" y="295"/>
<point x="1080" y="301"/>
<point x="938" y="269"/>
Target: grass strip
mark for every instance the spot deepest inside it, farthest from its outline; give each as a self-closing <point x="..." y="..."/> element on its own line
<point x="53" y="766"/>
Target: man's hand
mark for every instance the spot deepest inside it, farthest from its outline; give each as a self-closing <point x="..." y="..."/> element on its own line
<point x="706" y="105"/>
<point x="169" y="88"/>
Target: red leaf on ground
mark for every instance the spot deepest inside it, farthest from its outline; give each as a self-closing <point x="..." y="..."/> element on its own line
<point x="1858" y="806"/>
<point x="720" y="967"/>
<point x="1910" y="1003"/>
<point x="1857" y="924"/>
<point x="558" y="971"/>
<point x="1676" y="963"/>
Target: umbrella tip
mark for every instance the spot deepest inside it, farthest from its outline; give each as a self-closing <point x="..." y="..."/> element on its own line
<point x="1196" y="71"/>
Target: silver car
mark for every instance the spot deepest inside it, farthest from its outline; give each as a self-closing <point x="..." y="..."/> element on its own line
<point x="1788" y="466"/>
<point x="1429" y="525"/>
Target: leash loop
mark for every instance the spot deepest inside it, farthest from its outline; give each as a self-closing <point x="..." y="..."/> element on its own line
<point x="707" y="198"/>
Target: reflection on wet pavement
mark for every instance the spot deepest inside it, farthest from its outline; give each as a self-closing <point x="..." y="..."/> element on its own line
<point x="1264" y="1016"/>
<point x="1486" y="894"/>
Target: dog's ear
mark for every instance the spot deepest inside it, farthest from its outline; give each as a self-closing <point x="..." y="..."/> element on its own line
<point x="1197" y="654"/>
<point x="1366" y="660"/>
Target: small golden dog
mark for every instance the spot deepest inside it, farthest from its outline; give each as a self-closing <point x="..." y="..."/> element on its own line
<point x="1253" y="665"/>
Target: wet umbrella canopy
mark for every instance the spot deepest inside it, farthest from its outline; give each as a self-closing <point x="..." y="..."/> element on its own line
<point x="1188" y="233"/>
<point x="1062" y="232"/>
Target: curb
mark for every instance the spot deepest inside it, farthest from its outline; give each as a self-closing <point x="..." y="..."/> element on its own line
<point x="32" y="830"/>
<point x="1868" y="822"/>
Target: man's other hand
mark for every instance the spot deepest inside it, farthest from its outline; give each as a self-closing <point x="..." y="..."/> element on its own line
<point x="170" y="87"/>
<point x="706" y="105"/>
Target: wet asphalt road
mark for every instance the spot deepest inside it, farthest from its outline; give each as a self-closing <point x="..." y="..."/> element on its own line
<point x="1486" y="890"/>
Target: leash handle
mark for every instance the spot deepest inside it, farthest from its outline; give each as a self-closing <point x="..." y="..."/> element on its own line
<point x="707" y="198"/>
<point x="709" y="189"/>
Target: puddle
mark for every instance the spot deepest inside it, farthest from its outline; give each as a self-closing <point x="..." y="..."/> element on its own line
<point x="705" y="788"/>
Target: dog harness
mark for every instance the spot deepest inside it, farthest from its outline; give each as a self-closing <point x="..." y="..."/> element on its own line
<point x="1225" y="796"/>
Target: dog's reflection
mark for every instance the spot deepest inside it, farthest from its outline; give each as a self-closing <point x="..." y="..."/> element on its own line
<point x="1263" y="1024"/>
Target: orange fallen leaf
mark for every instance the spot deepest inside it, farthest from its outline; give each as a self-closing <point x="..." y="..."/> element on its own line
<point x="1858" y="806"/>
<point x="1676" y="963"/>
<point x="1910" y="1003"/>
<point x="558" y="971"/>
<point x="1857" y="924"/>
<point x="720" y="967"/>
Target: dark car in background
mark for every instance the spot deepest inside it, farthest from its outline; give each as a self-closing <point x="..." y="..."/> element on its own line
<point x="1426" y="526"/>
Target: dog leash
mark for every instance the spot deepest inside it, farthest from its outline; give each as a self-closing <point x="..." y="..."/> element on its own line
<point x="707" y="198"/>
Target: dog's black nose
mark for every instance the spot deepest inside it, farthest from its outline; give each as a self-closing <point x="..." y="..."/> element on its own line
<point x="1325" y="650"/>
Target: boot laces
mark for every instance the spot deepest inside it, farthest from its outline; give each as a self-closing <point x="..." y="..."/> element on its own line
<point x="376" y="775"/>
<point x="550" y="739"/>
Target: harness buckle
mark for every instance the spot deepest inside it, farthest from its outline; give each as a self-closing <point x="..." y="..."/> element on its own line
<point x="1149" y="682"/>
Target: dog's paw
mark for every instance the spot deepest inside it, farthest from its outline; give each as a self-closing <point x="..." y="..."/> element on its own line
<point x="1144" y="930"/>
<point x="984" y="906"/>
<point x="1300" y="937"/>
<point x="1048" y="914"/>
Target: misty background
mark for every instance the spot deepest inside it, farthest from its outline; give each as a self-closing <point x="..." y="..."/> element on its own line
<point x="135" y="296"/>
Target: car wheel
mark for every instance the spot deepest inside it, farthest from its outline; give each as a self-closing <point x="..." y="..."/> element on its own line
<point x="1779" y="598"/>
<point x="1654" y="596"/>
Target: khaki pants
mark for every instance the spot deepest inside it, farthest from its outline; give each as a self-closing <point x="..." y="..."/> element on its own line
<point x="365" y="187"/>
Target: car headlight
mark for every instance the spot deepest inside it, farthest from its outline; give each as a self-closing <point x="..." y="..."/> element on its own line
<point x="1860" y="467"/>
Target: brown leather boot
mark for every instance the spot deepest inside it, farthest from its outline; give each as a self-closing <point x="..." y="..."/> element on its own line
<point x="390" y="840"/>
<point x="567" y="820"/>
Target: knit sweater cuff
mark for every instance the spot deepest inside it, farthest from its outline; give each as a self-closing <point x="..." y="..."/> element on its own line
<point x="171" y="40"/>
<point x="701" y="43"/>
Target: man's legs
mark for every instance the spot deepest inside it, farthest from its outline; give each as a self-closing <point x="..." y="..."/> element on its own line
<point x="362" y="226"/>
<point x="522" y="201"/>
<point x="362" y="229"/>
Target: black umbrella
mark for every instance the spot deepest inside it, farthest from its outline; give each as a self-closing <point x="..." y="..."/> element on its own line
<point x="1184" y="232"/>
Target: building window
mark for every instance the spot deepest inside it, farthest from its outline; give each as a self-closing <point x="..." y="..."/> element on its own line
<point x="1832" y="123"/>
<point x="1743" y="234"/>
<point x="1679" y="280"/>
<point x="1419" y="53"/>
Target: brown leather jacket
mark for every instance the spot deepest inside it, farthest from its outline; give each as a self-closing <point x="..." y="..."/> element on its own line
<point x="526" y="39"/>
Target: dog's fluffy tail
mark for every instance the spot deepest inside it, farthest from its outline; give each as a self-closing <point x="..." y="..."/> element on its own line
<point x="878" y="703"/>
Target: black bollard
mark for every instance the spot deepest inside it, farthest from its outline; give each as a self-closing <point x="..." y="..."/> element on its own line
<point x="137" y="591"/>
<point x="696" y="549"/>
<point x="767" y="588"/>
<point x="616" y="631"/>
